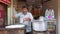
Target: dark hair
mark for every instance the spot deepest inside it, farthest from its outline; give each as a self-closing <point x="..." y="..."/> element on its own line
<point x="24" y="7"/>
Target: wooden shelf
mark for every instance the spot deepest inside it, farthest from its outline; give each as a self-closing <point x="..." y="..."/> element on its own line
<point x="54" y="20"/>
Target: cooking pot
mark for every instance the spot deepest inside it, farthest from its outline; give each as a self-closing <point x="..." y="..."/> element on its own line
<point x="39" y="25"/>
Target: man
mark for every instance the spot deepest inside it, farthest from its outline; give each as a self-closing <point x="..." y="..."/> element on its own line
<point x="25" y="18"/>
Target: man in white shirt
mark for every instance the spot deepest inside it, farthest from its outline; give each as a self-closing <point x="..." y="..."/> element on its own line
<point x="25" y="18"/>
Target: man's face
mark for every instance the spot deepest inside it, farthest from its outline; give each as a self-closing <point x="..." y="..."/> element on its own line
<point x="25" y="10"/>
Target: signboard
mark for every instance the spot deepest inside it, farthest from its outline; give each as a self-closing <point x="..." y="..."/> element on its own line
<point x="1" y="14"/>
<point x="6" y="1"/>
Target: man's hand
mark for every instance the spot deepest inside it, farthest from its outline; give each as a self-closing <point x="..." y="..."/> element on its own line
<point x="27" y="19"/>
<point x="14" y="16"/>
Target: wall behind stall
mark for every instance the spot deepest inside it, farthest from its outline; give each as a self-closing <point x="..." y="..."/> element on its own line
<point x="19" y="6"/>
<point x="54" y="4"/>
<point x="58" y="16"/>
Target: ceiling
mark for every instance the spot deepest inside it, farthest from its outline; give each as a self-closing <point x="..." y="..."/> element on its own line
<point x="33" y="0"/>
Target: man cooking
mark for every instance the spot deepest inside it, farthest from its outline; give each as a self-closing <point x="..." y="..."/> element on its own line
<point x="25" y="18"/>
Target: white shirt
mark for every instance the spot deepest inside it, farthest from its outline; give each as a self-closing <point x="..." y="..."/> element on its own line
<point x="22" y="18"/>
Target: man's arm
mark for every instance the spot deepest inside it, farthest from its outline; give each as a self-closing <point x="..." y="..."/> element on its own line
<point x="30" y="18"/>
<point x="16" y="16"/>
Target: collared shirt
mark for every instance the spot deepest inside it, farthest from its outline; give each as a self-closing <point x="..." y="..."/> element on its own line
<point x="22" y="20"/>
